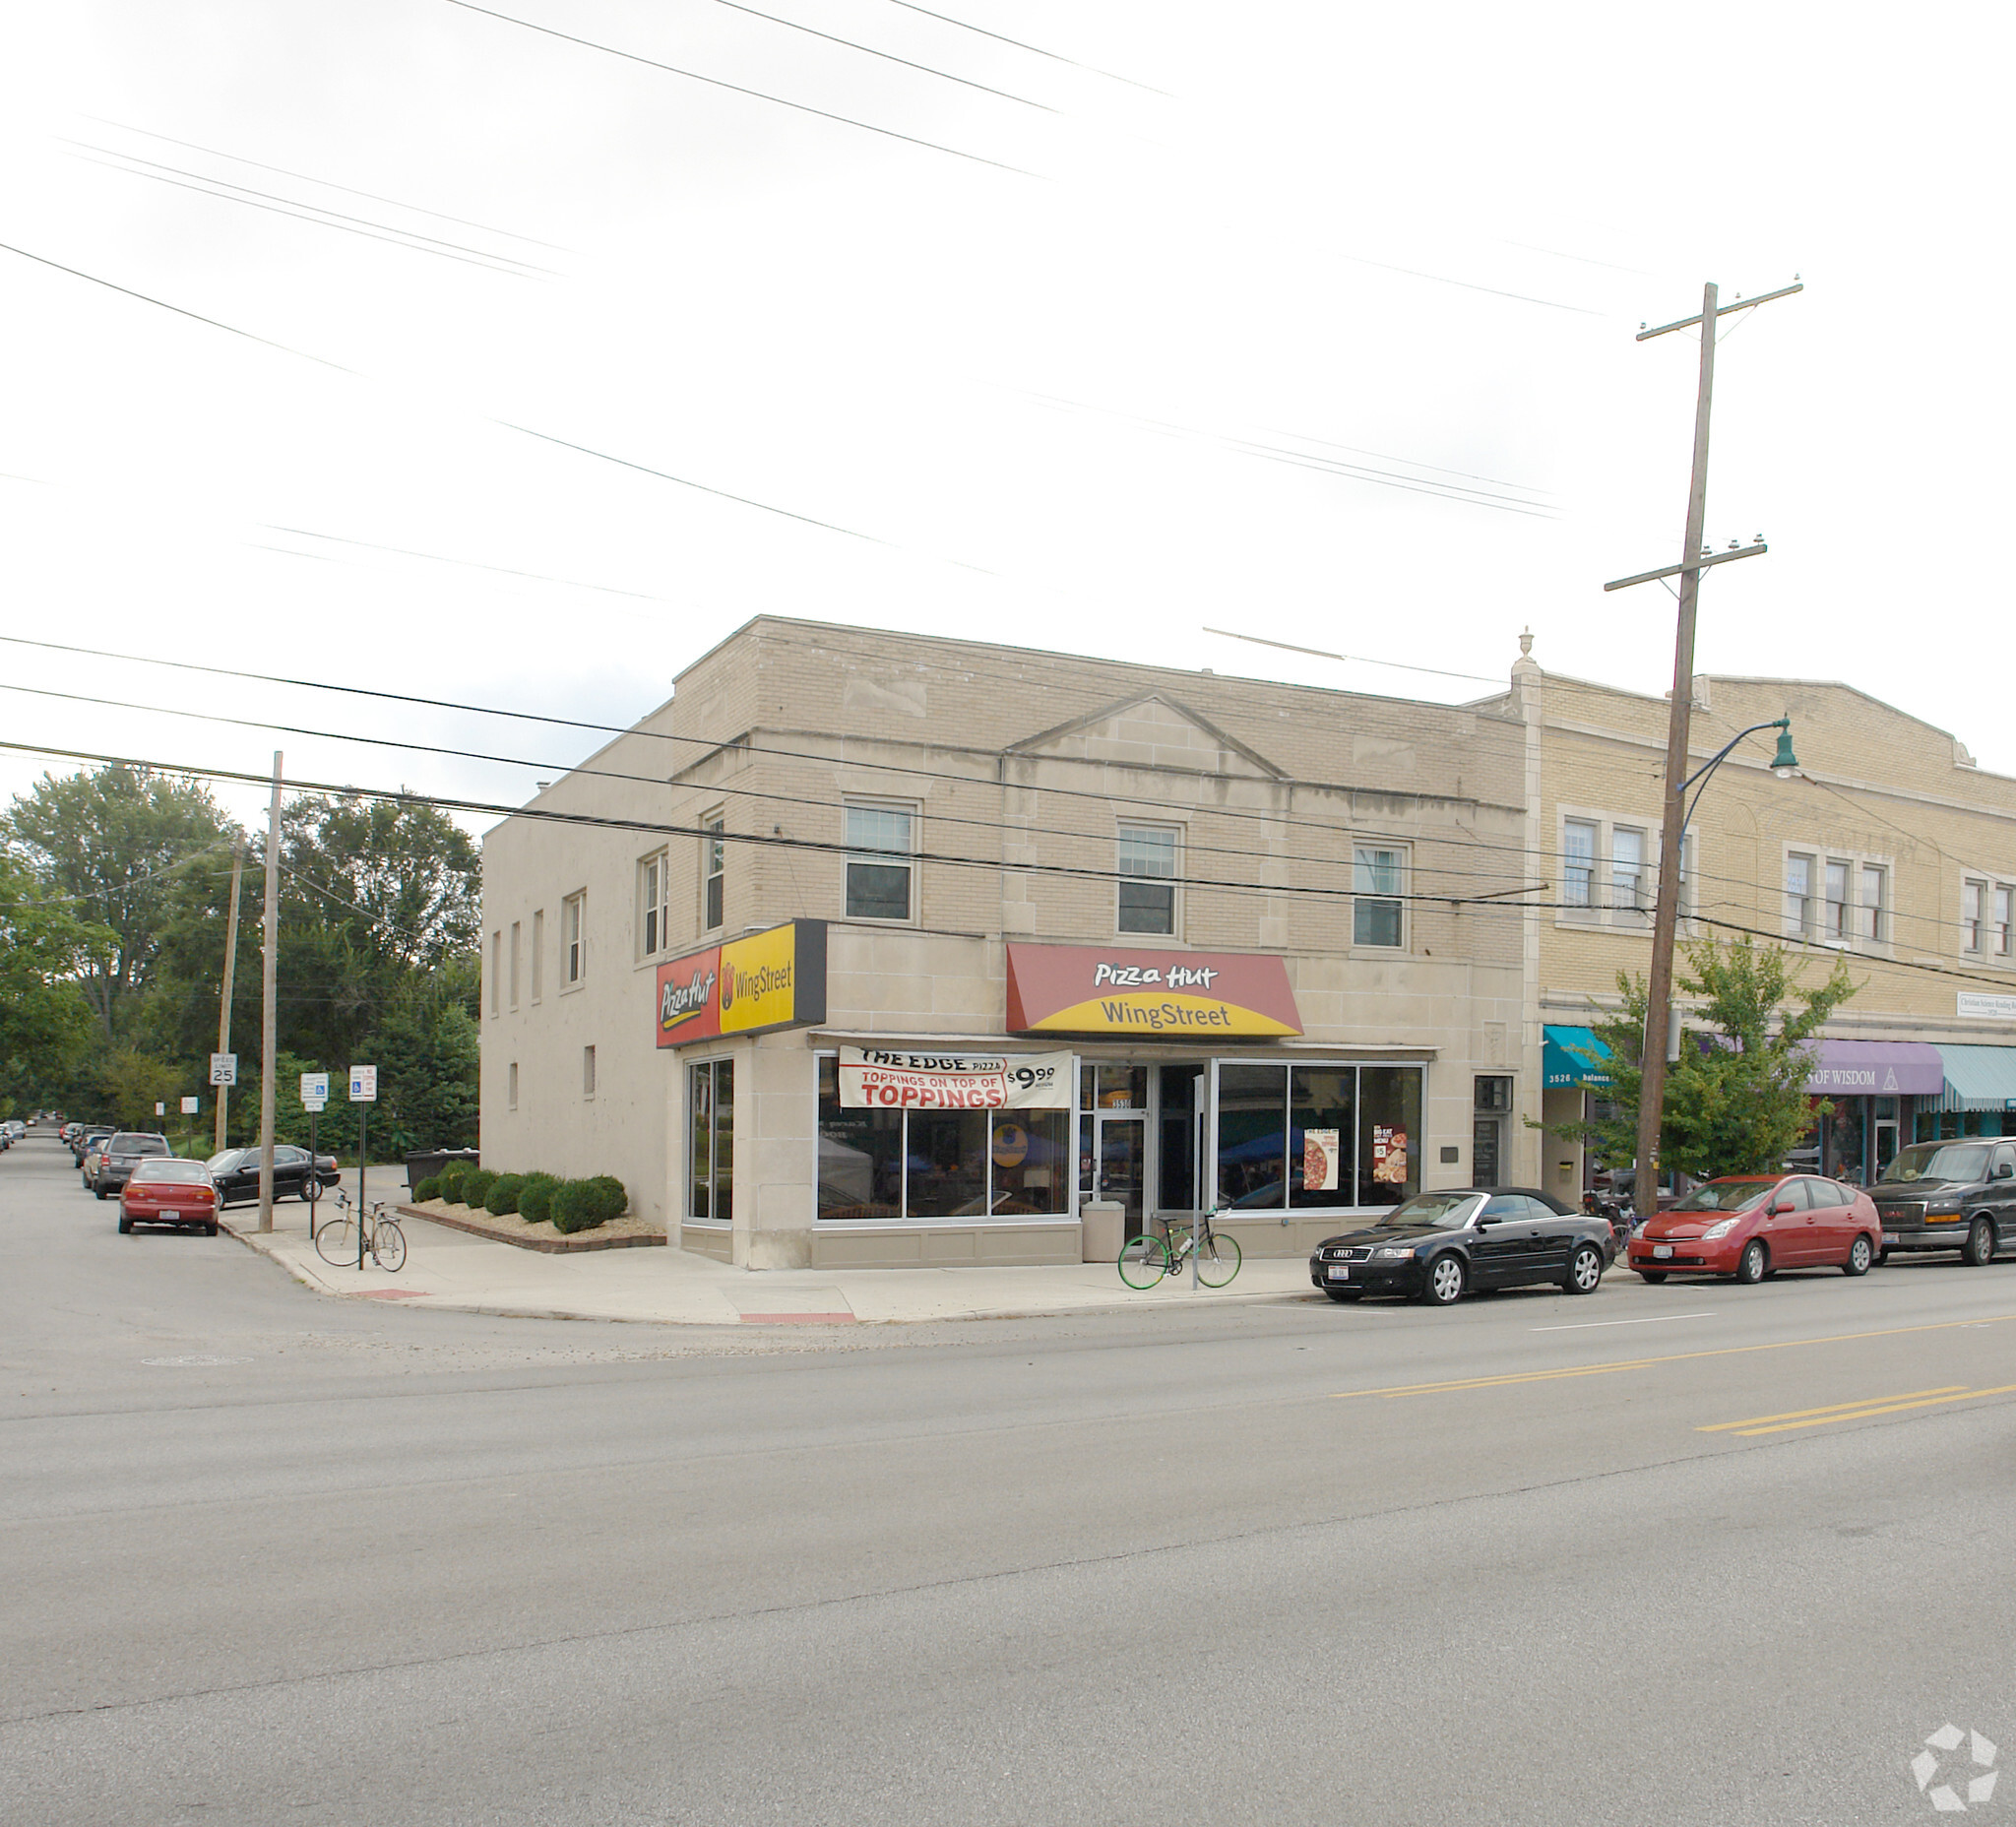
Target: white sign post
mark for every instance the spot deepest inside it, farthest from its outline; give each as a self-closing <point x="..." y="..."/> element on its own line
<point x="223" y="1068"/>
<point x="365" y="1090"/>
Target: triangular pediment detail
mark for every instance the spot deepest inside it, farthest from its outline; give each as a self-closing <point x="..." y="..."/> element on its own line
<point x="1151" y="731"/>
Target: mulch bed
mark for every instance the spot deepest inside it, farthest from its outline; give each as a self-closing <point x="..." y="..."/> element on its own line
<point x="622" y="1234"/>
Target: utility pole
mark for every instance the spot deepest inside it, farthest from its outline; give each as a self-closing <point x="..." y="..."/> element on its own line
<point x="223" y="1012"/>
<point x="269" y="1019"/>
<point x="1694" y="559"/>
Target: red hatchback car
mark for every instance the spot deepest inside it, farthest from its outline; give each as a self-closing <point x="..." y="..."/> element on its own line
<point x="161" y="1190"/>
<point x="1750" y="1226"/>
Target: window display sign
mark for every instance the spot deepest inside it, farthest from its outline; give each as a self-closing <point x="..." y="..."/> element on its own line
<point x="1389" y="1156"/>
<point x="874" y="1078"/>
<point x="1319" y="1160"/>
<point x="768" y="980"/>
<point x="1107" y="989"/>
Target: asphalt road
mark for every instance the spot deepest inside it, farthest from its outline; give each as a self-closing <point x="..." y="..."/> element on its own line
<point x="271" y="1556"/>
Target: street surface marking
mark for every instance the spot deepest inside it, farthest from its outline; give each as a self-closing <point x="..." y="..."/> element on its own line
<point x="1833" y="1409"/>
<point x="1657" y="1319"/>
<point x="1457" y="1385"/>
<point x="1880" y="1405"/>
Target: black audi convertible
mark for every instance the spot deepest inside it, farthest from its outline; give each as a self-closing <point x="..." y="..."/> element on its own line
<point x="1439" y="1247"/>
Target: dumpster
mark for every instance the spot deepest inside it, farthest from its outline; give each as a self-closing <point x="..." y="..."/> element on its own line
<point x="427" y="1163"/>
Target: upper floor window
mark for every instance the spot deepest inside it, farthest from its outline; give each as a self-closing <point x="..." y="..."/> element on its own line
<point x="1148" y="879"/>
<point x="1798" y="893"/>
<point x="1578" y="863"/>
<point x="1874" y="924"/>
<point x="1376" y="875"/>
<point x="2001" y="926"/>
<point x="1627" y="868"/>
<point x="573" y="939"/>
<point x="538" y="952"/>
<point x="516" y="948"/>
<point x="1972" y="894"/>
<point x="496" y="971"/>
<point x="714" y="871"/>
<point x="1836" y="924"/>
<point x="652" y="896"/>
<point x="879" y="869"/>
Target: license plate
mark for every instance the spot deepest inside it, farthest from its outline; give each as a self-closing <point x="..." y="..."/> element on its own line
<point x="1662" y="1249"/>
<point x="1338" y="1273"/>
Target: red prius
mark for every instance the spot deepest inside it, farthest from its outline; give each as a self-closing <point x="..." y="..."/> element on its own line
<point x="1752" y="1227"/>
<point x="162" y="1190"/>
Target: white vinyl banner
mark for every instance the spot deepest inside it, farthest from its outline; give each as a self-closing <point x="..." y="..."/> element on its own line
<point x="876" y="1078"/>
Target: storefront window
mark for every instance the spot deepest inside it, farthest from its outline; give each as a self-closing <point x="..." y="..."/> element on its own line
<point x="953" y="1163"/>
<point x="1252" y="1137"/>
<point x="860" y="1155"/>
<point x="1103" y="1086"/>
<point x="1389" y="1134"/>
<point x="1183" y="1096"/>
<point x="711" y="1090"/>
<point x="1321" y="1142"/>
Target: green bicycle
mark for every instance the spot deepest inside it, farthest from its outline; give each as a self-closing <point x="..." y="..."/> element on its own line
<point x="1146" y="1259"/>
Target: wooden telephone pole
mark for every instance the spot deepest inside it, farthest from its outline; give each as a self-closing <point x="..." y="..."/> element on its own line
<point x="223" y="1011"/>
<point x="1694" y="559"/>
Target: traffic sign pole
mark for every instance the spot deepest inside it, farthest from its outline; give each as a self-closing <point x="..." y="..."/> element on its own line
<point x="363" y="1093"/>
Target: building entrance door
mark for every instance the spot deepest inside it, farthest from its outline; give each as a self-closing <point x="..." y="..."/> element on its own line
<point x="1116" y="1167"/>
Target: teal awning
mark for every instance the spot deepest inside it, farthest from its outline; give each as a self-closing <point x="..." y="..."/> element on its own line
<point x="1979" y="1078"/>
<point x="1569" y="1056"/>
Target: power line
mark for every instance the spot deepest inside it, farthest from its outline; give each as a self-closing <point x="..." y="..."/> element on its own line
<point x="544" y="438"/>
<point x="716" y="81"/>
<point x="461" y="222"/>
<point x="227" y="192"/>
<point x="868" y="50"/>
<point x="1036" y="50"/>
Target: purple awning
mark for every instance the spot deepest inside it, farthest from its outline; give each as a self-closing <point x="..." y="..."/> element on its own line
<point x="1875" y="1069"/>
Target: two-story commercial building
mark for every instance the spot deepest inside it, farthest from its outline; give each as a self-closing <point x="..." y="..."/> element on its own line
<point x="880" y="949"/>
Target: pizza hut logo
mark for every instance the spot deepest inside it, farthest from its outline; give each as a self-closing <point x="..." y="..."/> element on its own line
<point x="680" y="1003"/>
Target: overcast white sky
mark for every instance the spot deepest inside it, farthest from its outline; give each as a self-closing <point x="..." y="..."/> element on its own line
<point x="886" y="337"/>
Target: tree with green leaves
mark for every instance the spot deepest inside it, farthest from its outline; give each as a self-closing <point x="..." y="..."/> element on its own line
<point x="45" y="1024"/>
<point x="116" y="842"/>
<point x="1735" y="1100"/>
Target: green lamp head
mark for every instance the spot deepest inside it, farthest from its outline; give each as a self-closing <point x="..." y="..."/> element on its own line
<point x="1784" y="764"/>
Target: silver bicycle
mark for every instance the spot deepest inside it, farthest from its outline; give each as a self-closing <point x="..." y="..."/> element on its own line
<point x="352" y="1236"/>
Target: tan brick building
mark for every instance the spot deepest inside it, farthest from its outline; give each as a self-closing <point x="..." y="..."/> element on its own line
<point x="1891" y="849"/>
<point x="956" y="828"/>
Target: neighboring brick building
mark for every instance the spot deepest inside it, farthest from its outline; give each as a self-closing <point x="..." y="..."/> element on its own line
<point x="1891" y="849"/>
<point x="1326" y="875"/>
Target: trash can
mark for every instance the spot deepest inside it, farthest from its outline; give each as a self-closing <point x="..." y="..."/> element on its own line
<point x="1102" y="1229"/>
<point x="427" y="1162"/>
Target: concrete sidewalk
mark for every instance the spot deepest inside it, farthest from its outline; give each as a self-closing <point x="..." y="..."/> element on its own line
<point x="452" y="1269"/>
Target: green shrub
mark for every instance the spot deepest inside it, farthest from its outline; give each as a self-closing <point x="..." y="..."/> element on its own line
<point x="430" y="1188"/>
<point x="536" y="1197"/>
<point x="503" y="1197"/>
<point x="582" y="1205"/>
<point x="450" y="1179"/>
<point x="476" y="1186"/>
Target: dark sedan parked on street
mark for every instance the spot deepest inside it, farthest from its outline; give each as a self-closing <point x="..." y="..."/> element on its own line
<point x="1439" y="1246"/>
<point x="1950" y="1196"/>
<point x="235" y="1173"/>
<point x="116" y="1158"/>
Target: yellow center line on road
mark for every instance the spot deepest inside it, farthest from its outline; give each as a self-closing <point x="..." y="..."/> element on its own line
<point x="1893" y="1407"/>
<point x="1511" y="1378"/>
<point x="1833" y="1409"/>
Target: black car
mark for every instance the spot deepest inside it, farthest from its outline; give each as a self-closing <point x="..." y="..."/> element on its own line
<point x="87" y="1137"/>
<point x="235" y="1173"/>
<point x="1439" y="1246"/>
<point x="1950" y="1196"/>
<point x="121" y="1150"/>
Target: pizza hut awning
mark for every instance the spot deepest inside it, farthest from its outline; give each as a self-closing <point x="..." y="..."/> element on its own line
<point x="1164" y="994"/>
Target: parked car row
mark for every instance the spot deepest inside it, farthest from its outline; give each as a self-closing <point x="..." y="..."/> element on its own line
<point x="11" y="1132"/>
<point x="1436" y="1247"/>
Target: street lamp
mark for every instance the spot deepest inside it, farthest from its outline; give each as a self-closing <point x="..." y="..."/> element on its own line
<point x="1784" y="764"/>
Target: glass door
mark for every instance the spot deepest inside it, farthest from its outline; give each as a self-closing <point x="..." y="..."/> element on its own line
<point x="1116" y="1165"/>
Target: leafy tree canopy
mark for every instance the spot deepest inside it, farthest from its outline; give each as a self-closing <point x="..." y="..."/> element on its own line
<point x="1735" y="1101"/>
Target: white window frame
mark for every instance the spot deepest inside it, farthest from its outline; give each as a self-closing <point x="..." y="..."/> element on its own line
<point x="1579" y="897"/>
<point x="653" y="904"/>
<point x="1974" y="913"/>
<point x="572" y="941"/>
<point x="1798" y="920"/>
<point x="905" y="858"/>
<point x="2002" y="900"/>
<point x="1173" y="879"/>
<point x="1837" y="915"/>
<point x="1629" y="904"/>
<point x="1873" y="918"/>
<point x="1364" y="898"/>
<point x="713" y="869"/>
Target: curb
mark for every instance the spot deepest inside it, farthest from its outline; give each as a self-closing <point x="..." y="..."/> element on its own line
<point x="546" y="1247"/>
